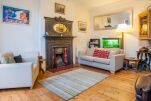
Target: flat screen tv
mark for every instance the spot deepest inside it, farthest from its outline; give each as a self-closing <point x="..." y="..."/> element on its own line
<point x="111" y="43"/>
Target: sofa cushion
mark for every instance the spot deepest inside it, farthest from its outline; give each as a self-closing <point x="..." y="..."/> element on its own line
<point x="102" y="60"/>
<point x="90" y="51"/>
<point x="111" y="54"/>
<point x="18" y="59"/>
<point x="101" y="53"/>
<point x="7" y="58"/>
<point x="116" y="50"/>
<point x="87" y="58"/>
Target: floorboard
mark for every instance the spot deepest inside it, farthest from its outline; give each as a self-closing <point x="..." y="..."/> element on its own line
<point x="117" y="87"/>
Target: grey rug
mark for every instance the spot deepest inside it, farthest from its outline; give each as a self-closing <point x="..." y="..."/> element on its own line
<point x="70" y="84"/>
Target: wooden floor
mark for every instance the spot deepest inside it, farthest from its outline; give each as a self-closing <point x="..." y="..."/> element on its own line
<point x="117" y="87"/>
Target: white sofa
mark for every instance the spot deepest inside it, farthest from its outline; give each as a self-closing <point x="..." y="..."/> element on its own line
<point x="20" y="74"/>
<point x="113" y="63"/>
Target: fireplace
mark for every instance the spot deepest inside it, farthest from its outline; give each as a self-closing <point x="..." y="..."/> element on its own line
<point x="60" y="57"/>
<point x="59" y="45"/>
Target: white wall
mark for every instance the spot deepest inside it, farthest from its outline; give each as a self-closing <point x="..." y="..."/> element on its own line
<point x="132" y="43"/>
<point x="17" y="37"/>
<point x="82" y="39"/>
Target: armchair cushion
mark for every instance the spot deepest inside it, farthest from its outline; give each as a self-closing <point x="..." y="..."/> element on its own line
<point x="7" y="58"/>
<point x="29" y="56"/>
<point x="18" y="59"/>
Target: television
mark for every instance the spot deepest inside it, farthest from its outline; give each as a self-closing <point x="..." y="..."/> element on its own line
<point x="111" y="43"/>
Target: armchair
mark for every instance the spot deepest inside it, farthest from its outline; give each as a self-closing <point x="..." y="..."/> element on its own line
<point x="20" y="74"/>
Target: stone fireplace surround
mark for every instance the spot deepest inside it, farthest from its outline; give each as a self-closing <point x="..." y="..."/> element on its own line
<point x="58" y="40"/>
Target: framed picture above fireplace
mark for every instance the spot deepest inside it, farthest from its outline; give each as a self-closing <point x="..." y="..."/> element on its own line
<point x="59" y="8"/>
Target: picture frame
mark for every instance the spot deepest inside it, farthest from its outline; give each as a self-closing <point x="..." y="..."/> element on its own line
<point x="82" y="26"/>
<point x="143" y="25"/>
<point x="59" y="8"/>
<point x="15" y="15"/>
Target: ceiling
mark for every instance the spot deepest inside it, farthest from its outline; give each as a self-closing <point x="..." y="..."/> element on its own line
<point x="95" y="3"/>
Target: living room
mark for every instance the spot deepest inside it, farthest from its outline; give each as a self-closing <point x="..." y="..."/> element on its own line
<point x="57" y="33"/>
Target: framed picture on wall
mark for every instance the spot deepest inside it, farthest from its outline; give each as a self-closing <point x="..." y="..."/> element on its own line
<point x="15" y="15"/>
<point x="82" y="26"/>
<point x="59" y="8"/>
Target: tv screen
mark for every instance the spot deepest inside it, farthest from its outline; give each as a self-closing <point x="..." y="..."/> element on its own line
<point x="111" y="43"/>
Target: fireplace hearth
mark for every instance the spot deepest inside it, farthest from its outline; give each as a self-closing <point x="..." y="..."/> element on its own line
<point x="59" y="46"/>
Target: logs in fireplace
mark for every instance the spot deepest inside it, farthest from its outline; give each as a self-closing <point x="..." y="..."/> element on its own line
<point x="59" y="52"/>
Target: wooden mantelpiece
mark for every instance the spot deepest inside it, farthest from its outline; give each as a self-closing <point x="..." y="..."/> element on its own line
<point x="48" y="36"/>
<point x="50" y="25"/>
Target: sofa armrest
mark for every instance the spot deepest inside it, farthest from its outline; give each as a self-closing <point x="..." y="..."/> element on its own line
<point x="116" y="62"/>
<point x="15" y="75"/>
<point x="16" y="65"/>
<point x="16" y="68"/>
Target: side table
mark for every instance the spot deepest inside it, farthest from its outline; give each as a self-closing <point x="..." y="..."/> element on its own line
<point x="146" y="61"/>
<point x="41" y="61"/>
<point x="131" y="59"/>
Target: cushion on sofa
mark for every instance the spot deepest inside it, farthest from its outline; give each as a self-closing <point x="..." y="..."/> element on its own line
<point x="102" y="60"/>
<point x="90" y="51"/>
<point x="18" y="59"/>
<point x="116" y="50"/>
<point x="87" y="58"/>
<point x="111" y="54"/>
<point x="101" y="53"/>
<point x="7" y="58"/>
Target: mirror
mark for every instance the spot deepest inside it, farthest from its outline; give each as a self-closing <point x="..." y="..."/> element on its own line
<point x="60" y="28"/>
<point x="111" y="21"/>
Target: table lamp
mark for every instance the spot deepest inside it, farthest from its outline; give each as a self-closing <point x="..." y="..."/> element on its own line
<point x="122" y="28"/>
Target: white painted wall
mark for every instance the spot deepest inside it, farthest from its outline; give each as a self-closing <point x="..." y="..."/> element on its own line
<point x="82" y="39"/>
<point x="17" y="37"/>
<point x="132" y="43"/>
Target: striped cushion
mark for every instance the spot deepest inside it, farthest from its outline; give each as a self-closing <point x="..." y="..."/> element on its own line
<point x="101" y="53"/>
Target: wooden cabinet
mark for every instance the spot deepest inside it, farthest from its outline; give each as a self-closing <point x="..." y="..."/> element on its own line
<point x="149" y="21"/>
<point x="145" y="25"/>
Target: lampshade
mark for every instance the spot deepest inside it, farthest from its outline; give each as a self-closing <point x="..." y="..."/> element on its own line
<point x="122" y="27"/>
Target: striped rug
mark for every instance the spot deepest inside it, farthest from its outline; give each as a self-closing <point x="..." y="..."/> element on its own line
<point x="70" y="84"/>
